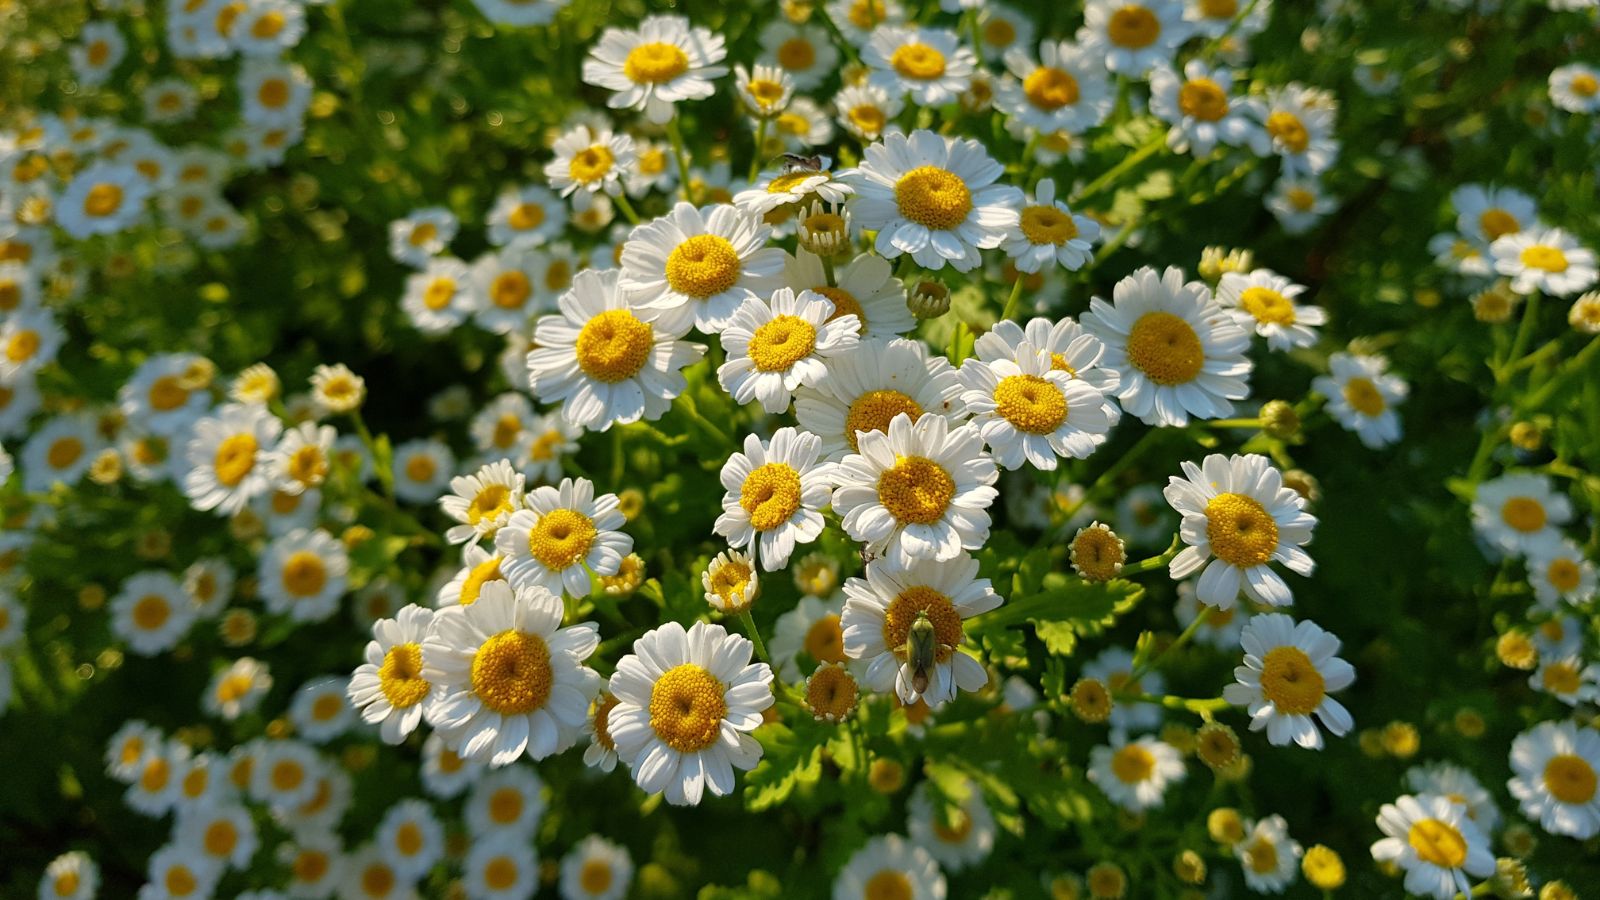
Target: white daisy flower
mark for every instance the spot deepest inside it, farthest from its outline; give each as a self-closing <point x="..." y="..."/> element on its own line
<point x="335" y="389"/>
<point x="70" y="876"/>
<point x="1558" y="636"/>
<point x="1064" y="89"/>
<point x="1264" y="301"/>
<point x="930" y="64"/>
<point x="1554" y="767"/>
<point x="1133" y="36"/>
<point x="1197" y="106"/>
<point x="505" y="802"/>
<point x="1518" y="512"/>
<point x="59" y="452"/>
<point x="958" y="836"/>
<point x="1177" y="352"/>
<point x="933" y="197"/>
<point x="410" y="838"/>
<point x="1300" y="128"/>
<point x="778" y="188"/>
<point x="479" y="567"/>
<point x="237" y="689"/>
<point x="764" y="91"/>
<point x="1485" y="213"/>
<point x="602" y="750"/>
<point x="445" y="773"/>
<point x="776" y="346"/>
<point x="370" y="876"/>
<point x="422" y="470"/>
<point x="1431" y="838"/>
<point x="866" y="110"/>
<point x="100" y="48"/>
<point x="1551" y="261"/>
<point x="223" y="832"/>
<point x="864" y="391"/>
<point x="440" y="297"/>
<point x="805" y="52"/>
<point x="285" y="774"/>
<point x="226" y="457"/>
<point x="1070" y="350"/>
<point x="315" y="861"/>
<point x="125" y="751"/>
<point x="804" y="124"/>
<point x="302" y="458"/>
<point x="1460" y="786"/>
<point x="775" y="492"/>
<point x="653" y="170"/>
<point x="687" y="701"/>
<point x="590" y="161"/>
<point x="1289" y="670"/>
<point x="1237" y="510"/>
<point x="1558" y="571"/>
<point x="1362" y="395"/>
<point x="888" y="865"/>
<point x="510" y="679"/>
<point x="505" y="296"/>
<point x="565" y="534"/>
<point x="529" y="216"/>
<point x="1221" y="628"/>
<point x="273" y="93"/>
<point x="664" y="61"/>
<point x="699" y="264"/>
<point x="1299" y="203"/>
<point x="1575" y="88"/>
<point x="865" y="288"/>
<point x="596" y="869"/>
<point x="812" y="628"/>
<point x="104" y="198"/>
<point x="319" y="711"/>
<point x="268" y="27"/>
<point x="881" y="607"/>
<point x="154" y="789"/>
<point x="178" y="871"/>
<point x="922" y="490"/>
<point x="164" y="395"/>
<point x="19" y="288"/>
<point x="416" y="239"/>
<point x="607" y="360"/>
<point x="29" y="339"/>
<point x="1567" y="679"/>
<point x="482" y="502"/>
<point x="1135" y="774"/>
<point x="1269" y="858"/>
<point x="151" y="612"/>
<point x="500" y="427"/>
<point x="550" y="439"/>
<point x="503" y="868"/>
<point x="203" y="783"/>
<point x="1048" y="233"/>
<point x="1029" y="410"/>
<point x="303" y="575"/>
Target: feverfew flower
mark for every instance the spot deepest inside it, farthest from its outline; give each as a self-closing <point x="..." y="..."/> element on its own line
<point x="1066" y="89"/>
<point x="664" y="61"/>
<point x="303" y="575"/>
<point x="1237" y="510"/>
<point x="1264" y="301"/>
<point x="1551" y="261"/>
<point x="1029" y="410"/>
<point x="1133" y="36"/>
<point x="1289" y="670"/>
<point x="483" y="501"/>
<point x="1432" y="839"/>
<point x="1518" y="512"/>
<point x="1048" y="233"/>
<point x="775" y="346"/>
<point x="1135" y="774"/>
<point x="930" y="64"/>
<point x="1575" y="88"/>
<point x="1197" y="106"/>
<point x="699" y="265"/>
<point x="1362" y="395"/>
<point x="565" y="533"/>
<point x="1559" y="572"/>
<point x="1555" y="766"/>
<point x="775" y="492"/>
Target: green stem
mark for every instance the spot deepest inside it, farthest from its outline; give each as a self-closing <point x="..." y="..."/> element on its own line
<point x="679" y="154"/>
<point x="1112" y="471"/>
<point x="1205" y="708"/>
<point x="755" y="635"/>
<point x="621" y="197"/>
<point x="1013" y="301"/>
<point x="1252" y="424"/>
<point x="1159" y="561"/>
<point x="688" y="405"/>
<point x="1575" y="364"/>
<point x="1530" y="316"/>
<point x="820" y="11"/>
<point x="1150" y="148"/>
<point x="1183" y="638"/>
<point x="755" y="155"/>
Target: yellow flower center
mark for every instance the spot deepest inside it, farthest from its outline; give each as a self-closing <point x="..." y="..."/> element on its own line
<point x="400" y="676"/>
<point x="614" y="345"/>
<point x="481" y="574"/>
<point x="304" y="574"/>
<point x="1540" y="256"/>
<point x="1288" y="130"/>
<point x="933" y="197"/>
<point x="10" y="295"/>
<point x="491" y="502"/>
<point x="771" y="495"/>
<point x="506" y="430"/>
<point x="888" y="885"/>
<point x="180" y="881"/>
<point x="1301" y="199"/>
<point x="421" y="468"/>
<point x="64" y="452"/>
<point x="1525" y="514"/>
<point x="868" y="118"/>
<point x="65" y="884"/>
<point x="559" y="276"/>
<point x="99" y="52"/>
<point x="561" y="538"/>
<point x="408" y="839"/>
<point x="591" y="164"/>
<point x="268" y="26"/>
<point x="1219" y="9"/>
<point x="235" y="687"/>
<point x="1562" y="678"/>
<point x="308" y="465"/>
<point x="167" y="393"/>
<point x="782" y="342"/>
<point x="1261" y="856"/>
<point x="998" y="32"/>
<point x="439" y="293"/>
<point x="500" y="874"/>
<point x="916" y="490"/>
<point x="1098" y="554"/>
<point x="1165" y="348"/>
<point x="1133" y="27"/>
<point x="766" y="93"/>
<point x="1047" y="225"/>
<point x="1563" y="575"/>
<point x="1290" y="681"/>
<point x="1584" y="85"/>
<point x="1267" y="305"/>
<point x="526" y="216"/>
<point x="102" y="200"/>
<point x="1132" y="764"/>
<point x="687" y="708"/>
<point x="1030" y="403"/>
<point x="785" y="183"/>
<point x="221" y="837"/>
<point x="824" y="640"/>
<point x="918" y="61"/>
<point x="1496" y="222"/>
<point x="1363" y="396"/>
<point x="902" y="614"/>
<point x="703" y="266"/>
<point x="327" y="707"/>
<point x="832" y="692"/>
<point x="602" y="718"/>
<point x="1050" y="88"/>
<point x="1240" y="530"/>
<point x="287" y="775"/>
<point x="423" y="233"/>
<point x="505" y="805"/>
<point x="955" y="830"/>
<point x="195" y="783"/>
<point x="1570" y="778"/>
<point x="595" y="876"/>
<point x="151" y="612"/>
<point x="511" y="673"/>
<point x="1203" y="99"/>
<point x="873" y="410"/>
<point x="155" y="774"/>
<point x="235" y="457"/>
<point x="544" y="446"/>
<point x="309" y="866"/>
<point x="273" y="93"/>
<point x="730" y="582"/>
<point x="655" y="63"/>
<point x="377" y="880"/>
<point x="796" y="54"/>
<point x="1438" y="843"/>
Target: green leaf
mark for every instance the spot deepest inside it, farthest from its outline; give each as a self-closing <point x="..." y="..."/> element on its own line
<point x="786" y="764"/>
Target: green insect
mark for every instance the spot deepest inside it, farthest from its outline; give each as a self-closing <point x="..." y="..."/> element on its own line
<point x="922" y="650"/>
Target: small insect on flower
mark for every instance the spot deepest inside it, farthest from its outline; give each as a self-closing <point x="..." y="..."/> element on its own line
<point x="921" y="650"/>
